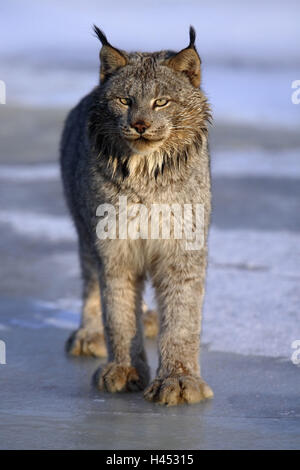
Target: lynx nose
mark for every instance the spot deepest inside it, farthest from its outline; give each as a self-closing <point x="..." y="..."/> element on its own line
<point x="140" y="126"/>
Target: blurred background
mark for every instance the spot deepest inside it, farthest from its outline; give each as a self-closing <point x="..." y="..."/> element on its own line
<point x="250" y="57"/>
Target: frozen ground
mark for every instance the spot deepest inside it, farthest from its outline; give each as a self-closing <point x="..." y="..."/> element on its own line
<point x="251" y="314"/>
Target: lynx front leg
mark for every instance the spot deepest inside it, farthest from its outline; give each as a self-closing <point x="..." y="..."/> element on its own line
<point x="127" y="369"/>
<point x="179" y="287"/>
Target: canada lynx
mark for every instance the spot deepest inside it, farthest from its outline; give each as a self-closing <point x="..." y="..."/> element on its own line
<point x="140" y="134"/>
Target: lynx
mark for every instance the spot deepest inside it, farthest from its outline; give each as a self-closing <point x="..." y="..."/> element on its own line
<point x="141" y="134"/>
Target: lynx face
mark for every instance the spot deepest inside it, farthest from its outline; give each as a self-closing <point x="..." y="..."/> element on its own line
<point x="152" y="101"/>
<point x="147" y="109"/>
<point x="152" y="107"/>
<point x="141" y="121"/>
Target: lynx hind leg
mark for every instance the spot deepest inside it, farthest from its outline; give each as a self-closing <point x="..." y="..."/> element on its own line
<point x="150" y="321"/>
<point x="89" y="339"/>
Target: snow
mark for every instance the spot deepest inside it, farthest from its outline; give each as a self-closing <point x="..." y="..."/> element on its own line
<point x="26" y="173"/>
<point x="256" y="162"/>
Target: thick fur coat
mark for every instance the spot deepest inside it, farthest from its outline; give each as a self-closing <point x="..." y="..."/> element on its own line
<point x="142" y="135"/>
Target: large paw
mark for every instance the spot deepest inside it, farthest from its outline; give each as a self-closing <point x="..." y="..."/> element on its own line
<point x="86" y="342"/>
<point x="175" y="390"/>
<point x="119" y="378"/>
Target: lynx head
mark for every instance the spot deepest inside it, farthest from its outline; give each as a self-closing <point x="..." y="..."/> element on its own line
<point x="151" y="103"/>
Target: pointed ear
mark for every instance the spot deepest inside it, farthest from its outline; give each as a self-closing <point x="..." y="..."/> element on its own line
<point x="111" y="58"/>
<point x="187" y="61"/>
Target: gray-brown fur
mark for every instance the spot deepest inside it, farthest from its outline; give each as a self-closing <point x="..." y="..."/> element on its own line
<point x="104" y="157"/>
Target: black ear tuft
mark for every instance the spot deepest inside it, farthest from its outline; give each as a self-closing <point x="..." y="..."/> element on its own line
<point x="187" y="61"/>
<point x="192" y="37"/>
<point x="111" y="58"/>
<point x="101" y="36"/>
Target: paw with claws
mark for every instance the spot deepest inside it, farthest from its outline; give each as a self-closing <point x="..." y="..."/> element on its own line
<point x="175" y="390"/>
<point x="86" y="342"/>
<point x="121" y="378"/>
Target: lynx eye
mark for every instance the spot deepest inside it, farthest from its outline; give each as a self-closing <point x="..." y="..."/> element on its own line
<point x="161" y="102"/>
<point x="125" y="101"/>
